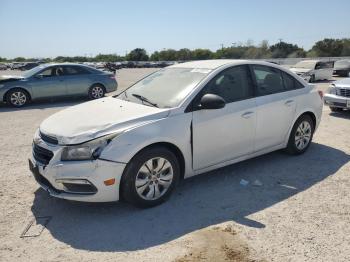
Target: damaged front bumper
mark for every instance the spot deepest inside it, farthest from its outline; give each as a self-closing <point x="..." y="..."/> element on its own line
<point x="75" y="180"/>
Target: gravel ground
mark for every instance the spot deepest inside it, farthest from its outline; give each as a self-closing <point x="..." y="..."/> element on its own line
<point x="300" y="213"/>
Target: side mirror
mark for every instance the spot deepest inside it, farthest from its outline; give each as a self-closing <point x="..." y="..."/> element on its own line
<point x="39" y="76"/>
<point x="211" y="101"/>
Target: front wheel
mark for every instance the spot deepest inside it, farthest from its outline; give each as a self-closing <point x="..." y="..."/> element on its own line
<point x="17" y="97"/>
<point x="301" y="135"/>
<point x="150" y="177"/>
<point x="96" y="91"/>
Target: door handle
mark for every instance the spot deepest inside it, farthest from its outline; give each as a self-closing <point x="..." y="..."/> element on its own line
<point x="247" y="114"/>
<point x="289" y="102"/>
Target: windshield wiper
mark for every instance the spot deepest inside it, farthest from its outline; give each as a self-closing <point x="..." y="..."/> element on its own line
<point x="144" y="99"/>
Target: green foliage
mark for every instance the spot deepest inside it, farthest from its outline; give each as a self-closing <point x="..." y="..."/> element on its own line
<point x="283" y="50"/>
<point x="323" y="48"/>
<point x="328" y="47"/>
<point x="19" y="59"/>
<point x="138" y="54"/>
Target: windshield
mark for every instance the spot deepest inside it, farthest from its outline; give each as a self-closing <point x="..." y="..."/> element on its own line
<point x="305" y="64"/>
<point x="32" y="71"/>
<point x="340" y="63"/>
<point x="165" y="88"/>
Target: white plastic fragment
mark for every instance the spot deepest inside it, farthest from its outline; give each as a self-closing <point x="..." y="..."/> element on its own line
<point x="244" y="182"/>
<point x="257" y="183"/>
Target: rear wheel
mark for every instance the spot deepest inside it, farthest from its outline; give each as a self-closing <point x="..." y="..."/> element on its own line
<point x="17" y="97"/>
<point x="301" y="135"/>
<point x="96" y="91"/>
<point x="150" y="177"/>
<point x="335" y="109"/>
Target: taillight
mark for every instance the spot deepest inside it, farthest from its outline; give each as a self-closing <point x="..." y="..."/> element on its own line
<point x="320" y="93"/>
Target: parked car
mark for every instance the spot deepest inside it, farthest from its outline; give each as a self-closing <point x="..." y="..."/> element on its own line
<point x="54" y="80"/>
<point x="28" y="66"/>
<point x="178" y="122"/>
<point x="313" y="70"/>
<point x="342" y="68"/>
<point x="339" y="95"/>
<point x="3" y="66"/>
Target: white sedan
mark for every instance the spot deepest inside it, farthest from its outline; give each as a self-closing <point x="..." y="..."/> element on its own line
<point x="178" y="122"/>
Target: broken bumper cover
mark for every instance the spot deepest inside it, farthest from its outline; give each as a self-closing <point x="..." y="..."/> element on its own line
<point x="337" y="101"/>
<point x="79" y="180"/>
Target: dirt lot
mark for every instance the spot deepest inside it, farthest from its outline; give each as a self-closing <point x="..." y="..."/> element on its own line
<point x="300" y="213"/>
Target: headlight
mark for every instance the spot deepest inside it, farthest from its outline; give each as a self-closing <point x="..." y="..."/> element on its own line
<point x="307" y="74"/>
<point x="332" y="89"/>
<point x="87" y="151"/>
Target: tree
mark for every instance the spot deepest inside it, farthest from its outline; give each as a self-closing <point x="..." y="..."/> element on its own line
<point x="19" y="59"/>
<point x="184" y="54"/>
<point x="283" y="49"/>
<point x="328" y="47"/>
<point x="138" y="54"/>
<point x="201" y="54"/>
<point x="168" y="55"/>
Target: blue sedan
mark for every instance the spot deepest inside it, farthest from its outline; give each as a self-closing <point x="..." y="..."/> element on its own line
<point x="56" y="80"/>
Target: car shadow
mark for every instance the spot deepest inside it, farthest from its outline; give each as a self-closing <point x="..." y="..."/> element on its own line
<point x="45" y="104"/>
<point x="198" y="202"/>
<point x="342" y="114"/>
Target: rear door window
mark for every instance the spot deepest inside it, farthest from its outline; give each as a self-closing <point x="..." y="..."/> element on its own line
<point x="75" y="70"/>
<point x="268" y="80"/>
<point x="290" y="83"/>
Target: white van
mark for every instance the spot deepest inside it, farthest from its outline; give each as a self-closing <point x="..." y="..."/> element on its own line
<point x="313" y="70"/>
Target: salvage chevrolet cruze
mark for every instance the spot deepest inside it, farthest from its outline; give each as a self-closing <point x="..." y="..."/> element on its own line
<point x="181" y="121"/>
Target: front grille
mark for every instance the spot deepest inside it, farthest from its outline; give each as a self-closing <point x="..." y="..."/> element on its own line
<point x="343" y="92"/>
<point x="41" y="154"/>
<point x="49" y="139"/>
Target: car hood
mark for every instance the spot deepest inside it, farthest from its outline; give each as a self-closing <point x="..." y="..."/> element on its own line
<point x="299" y="70"/>
<point x="90" y="120"/>
<point x="9" y="78"/>
<point x="344" y="83"/>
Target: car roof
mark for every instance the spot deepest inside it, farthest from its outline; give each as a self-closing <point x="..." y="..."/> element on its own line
<point x="60" y="64"/>
<point x="210" y="64"/>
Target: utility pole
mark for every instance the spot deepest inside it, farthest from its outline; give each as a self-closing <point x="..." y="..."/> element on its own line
<point x="280" y="39"/>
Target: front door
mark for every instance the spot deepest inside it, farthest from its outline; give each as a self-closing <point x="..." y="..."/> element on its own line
<point x="49" y="83"/>
<point x="224" y="134"/>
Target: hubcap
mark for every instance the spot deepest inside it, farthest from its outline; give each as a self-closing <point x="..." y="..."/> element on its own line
<point x="154" y="178"/>
<point x="18" y="98"/>
<point x="303" y="135"/>
<point x="97" y="92"/>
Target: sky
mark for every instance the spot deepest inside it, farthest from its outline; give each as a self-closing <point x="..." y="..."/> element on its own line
<point x="42" y="28"/>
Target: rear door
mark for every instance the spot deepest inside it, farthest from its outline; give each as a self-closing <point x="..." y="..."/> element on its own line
<point x="220" y="135"/>
<point x="77" y="80"/>
<point x="275" y="107"/>
<point x="49" y="83"/>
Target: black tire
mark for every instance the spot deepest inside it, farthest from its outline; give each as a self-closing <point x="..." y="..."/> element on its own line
<point x="96" y="91"/>
<point x="23" y="97"/>
<point x="312" y="79"/>
<point x="292" y="147"/>
<point x="335" y="109"/>
<point x="128" y="186"/>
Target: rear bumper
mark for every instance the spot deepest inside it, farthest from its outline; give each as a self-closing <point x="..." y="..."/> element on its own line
<point x="337" y="101"/>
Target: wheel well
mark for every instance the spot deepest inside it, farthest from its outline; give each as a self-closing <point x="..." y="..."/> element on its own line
<point x="173" y="149"/>
<point x="310" y="114"/>
<point x="98" y="84"/>
<point x="7" y="92"/>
